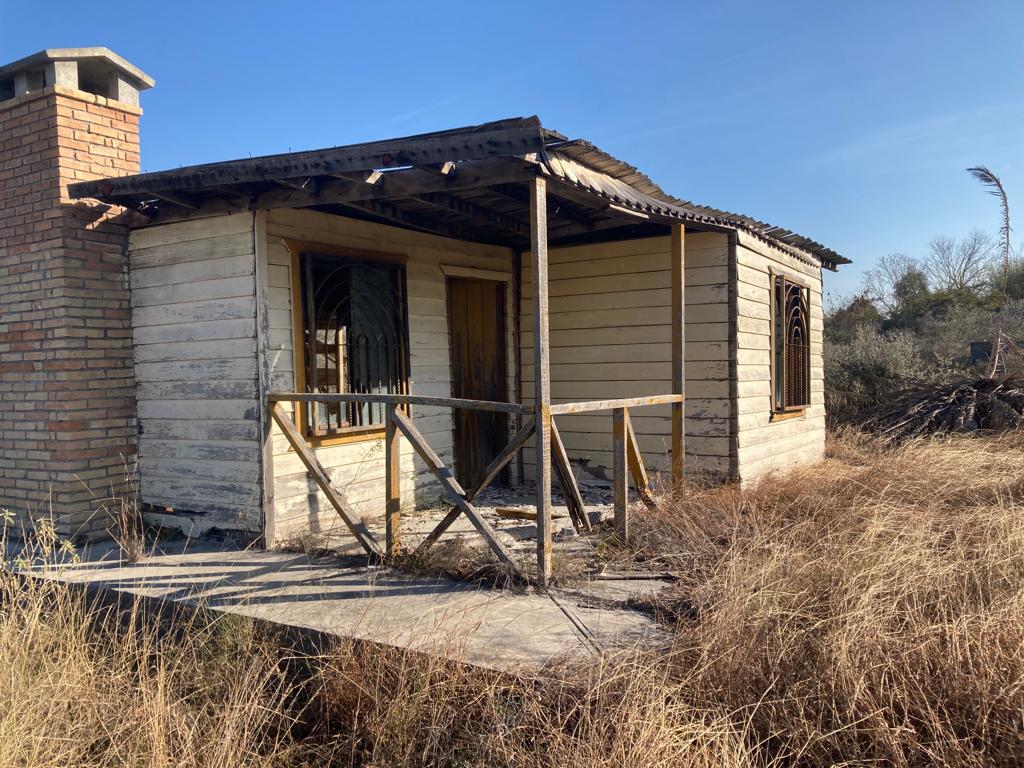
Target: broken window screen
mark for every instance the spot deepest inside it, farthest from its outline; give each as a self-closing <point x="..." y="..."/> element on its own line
<point x="791" y="352"/>
<point x="354" y="338"/>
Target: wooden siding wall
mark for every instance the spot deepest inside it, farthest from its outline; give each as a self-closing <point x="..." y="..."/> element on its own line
<point x="194" y="331"/>
<point x="709" y="348"/>
<point x="763" y="445"/>
<point x="358" y="468"/>
<point x="610" y="337"/>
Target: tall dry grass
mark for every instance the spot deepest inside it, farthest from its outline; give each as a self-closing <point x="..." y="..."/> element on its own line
<point x="867" y="611"/>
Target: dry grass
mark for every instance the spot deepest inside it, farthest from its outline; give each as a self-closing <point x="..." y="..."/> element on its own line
<point x="868" y="611"/>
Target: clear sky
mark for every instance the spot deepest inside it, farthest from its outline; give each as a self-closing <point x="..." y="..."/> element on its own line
<point x="849" y="122"/>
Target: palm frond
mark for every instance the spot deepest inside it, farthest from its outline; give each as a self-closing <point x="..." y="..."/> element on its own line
<point x="996" y="188"/>
<point x="989" y="179"/>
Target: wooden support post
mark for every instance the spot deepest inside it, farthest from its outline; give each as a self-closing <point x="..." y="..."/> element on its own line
<point x="393" y="481"/>
<point x="541" y="374"/>
<point x="620" y="480"/>
<point x="678" y="348"/>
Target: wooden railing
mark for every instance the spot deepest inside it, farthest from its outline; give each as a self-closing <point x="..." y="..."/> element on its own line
<point x="626" y="459"/>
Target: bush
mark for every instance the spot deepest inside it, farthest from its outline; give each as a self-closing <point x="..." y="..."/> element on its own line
<point x="869" y="368"/>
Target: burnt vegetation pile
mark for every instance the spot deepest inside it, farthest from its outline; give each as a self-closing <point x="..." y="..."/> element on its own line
<point x="988" y="403"/>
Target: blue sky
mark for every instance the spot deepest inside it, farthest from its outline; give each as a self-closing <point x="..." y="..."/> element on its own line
<point x="848" y="122"/>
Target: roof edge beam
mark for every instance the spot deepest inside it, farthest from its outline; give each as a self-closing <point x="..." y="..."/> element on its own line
<point x="393" y="185"/>
<point x="505" y="138"/>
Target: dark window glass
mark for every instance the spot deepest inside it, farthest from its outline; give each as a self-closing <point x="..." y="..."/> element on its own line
<point x="354" y="338"/>
<point x="791" y="353"/>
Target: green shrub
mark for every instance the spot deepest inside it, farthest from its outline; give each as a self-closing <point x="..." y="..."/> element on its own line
<point x="869" y="368"/>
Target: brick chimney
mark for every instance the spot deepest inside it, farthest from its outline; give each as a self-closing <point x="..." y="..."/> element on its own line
<point x="67" y="407"/>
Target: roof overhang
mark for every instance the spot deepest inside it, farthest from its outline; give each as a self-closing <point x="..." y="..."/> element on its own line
<point x="465" y="183"/>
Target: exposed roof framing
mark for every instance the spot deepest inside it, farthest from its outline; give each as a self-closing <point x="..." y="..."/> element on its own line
<point x="465" y="183"/>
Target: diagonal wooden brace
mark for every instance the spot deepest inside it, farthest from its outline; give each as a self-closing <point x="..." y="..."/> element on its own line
<point x="452" y="488"/>
<point x="496" y="465"/>
<point x="315" y="468"/>
<point x="636" y="467"/>
<point x="566" y="479"/>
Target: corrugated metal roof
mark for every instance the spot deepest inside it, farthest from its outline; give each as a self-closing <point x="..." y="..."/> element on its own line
<point x="574" y="159"/>
<point x="574" y="162"/>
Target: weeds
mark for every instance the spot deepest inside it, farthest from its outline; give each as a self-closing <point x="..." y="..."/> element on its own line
<point x="865" y="611"/>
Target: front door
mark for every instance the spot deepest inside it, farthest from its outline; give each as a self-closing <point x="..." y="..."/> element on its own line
<point x="477" y="321"/>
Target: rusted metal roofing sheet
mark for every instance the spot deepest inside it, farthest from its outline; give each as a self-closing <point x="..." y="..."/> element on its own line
<point x="576" y="163"/>
<point x="636" y="189"/>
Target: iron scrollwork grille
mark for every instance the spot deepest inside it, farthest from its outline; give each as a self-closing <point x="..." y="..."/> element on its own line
<point x="355" y="339"/>
<point x="791" y="353"/>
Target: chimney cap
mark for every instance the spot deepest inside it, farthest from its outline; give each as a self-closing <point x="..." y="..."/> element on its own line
<point x="99" y="55"/>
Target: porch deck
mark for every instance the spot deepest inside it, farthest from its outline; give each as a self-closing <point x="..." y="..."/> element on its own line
<point x="342" y="595"/>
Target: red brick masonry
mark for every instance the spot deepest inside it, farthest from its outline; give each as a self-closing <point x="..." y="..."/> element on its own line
<point x="67" y="407"/>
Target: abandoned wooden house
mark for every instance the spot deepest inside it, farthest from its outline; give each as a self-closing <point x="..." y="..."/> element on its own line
<point x="361" y="330"/>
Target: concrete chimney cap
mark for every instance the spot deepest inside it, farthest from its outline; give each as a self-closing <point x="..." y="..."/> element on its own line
<point x="92" y="55"/>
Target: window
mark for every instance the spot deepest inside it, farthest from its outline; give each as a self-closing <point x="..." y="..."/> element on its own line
<point x="791" y="345"/>
<point x="354" y="338"/>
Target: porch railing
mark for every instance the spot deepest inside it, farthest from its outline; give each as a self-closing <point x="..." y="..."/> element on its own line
<point x="627" y="461"/>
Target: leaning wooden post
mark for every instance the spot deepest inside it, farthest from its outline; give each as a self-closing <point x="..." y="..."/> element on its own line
<point x="541" y="373"/>
<point x="678" y="318"/>
<point x="393" y="481"/>
<point x="620" y="480"/>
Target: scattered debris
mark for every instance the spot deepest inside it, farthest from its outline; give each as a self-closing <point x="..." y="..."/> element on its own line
<point x="966" y="406"/>
<point x="635" y="575"/>
<point x="525" y="514"/>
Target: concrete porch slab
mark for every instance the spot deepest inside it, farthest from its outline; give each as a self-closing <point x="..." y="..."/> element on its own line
<point x="344" y="596"/>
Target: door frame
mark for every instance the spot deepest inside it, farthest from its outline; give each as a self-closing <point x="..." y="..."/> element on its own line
<point x="510" y="343"/>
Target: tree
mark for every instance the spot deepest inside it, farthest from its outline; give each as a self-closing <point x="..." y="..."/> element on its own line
<point x="960" y="266"/>
<point x="1014" y="281"/>
<point x="881" y="283"/>
<point x="842" y="321"/>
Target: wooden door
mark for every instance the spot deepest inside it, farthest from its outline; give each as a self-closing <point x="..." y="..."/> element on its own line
<point x="476" y="321"/>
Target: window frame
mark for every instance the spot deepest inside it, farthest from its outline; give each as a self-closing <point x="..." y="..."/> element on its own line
<point x="780" y="411"/>
<point x="296" y="249"/>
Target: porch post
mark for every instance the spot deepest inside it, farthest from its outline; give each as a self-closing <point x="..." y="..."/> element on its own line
<point x="678" y="267"/>
<point x="393" y="484"/>
<point x="541" y="373"/>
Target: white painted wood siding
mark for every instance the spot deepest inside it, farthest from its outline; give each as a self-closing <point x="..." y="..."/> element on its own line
<point x="764" y="445"/>
<point x="357" y="469"/>
<point x="194" y="330"/>
<point x="707" y="371"/>
<point x="610" y="337"/>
